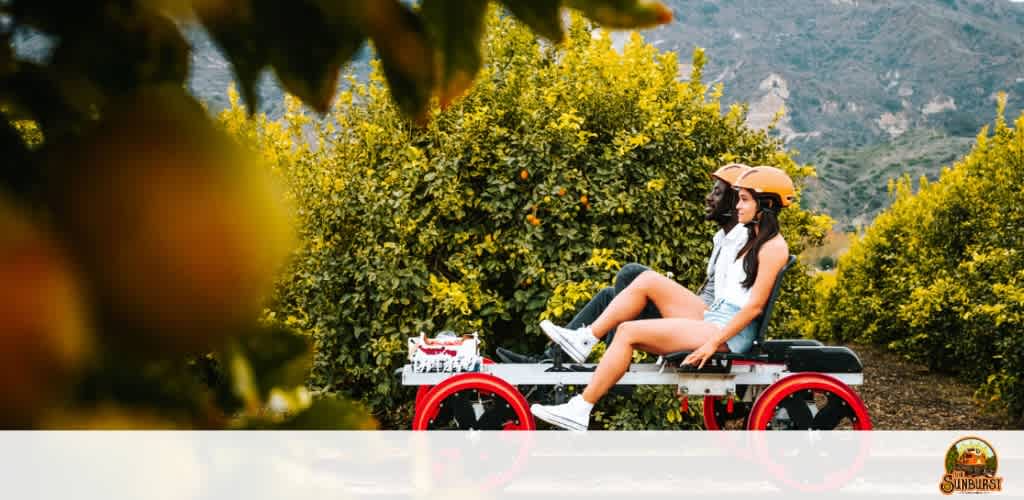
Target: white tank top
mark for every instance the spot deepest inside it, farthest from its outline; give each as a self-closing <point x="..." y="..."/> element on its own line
<point x="729" y="273"/>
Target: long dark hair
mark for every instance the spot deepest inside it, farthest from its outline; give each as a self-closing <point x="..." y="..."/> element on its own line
<point x="763" y="228"/>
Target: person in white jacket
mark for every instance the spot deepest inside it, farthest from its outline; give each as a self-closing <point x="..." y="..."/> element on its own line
<point x="744" y="275"/>
<point x="720" y="208"/>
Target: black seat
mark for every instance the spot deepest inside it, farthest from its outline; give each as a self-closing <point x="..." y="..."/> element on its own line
<point x="766" y="315"/>
<point x="799" y="355"/>
<point x="761" y="350"/>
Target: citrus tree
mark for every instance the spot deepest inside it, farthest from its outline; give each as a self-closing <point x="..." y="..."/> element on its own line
<point x="138" y="242"/>
<point x="516" y="204"/>
<point x="939" y="276"/>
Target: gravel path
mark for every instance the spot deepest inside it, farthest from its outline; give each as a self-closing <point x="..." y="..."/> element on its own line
<point x="902" y="395"/>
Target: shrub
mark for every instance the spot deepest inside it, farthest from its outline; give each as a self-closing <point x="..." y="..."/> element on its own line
<point x="939" y="275"/>
<point x="514" y="205"/>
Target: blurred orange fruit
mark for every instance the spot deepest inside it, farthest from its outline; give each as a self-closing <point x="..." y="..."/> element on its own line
<point x="182" y="232"/>
<point x="44" y="326"/>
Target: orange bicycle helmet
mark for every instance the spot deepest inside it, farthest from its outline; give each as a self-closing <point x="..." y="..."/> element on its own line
<point x="768" y="180"/>
<point x="729" y="173"/>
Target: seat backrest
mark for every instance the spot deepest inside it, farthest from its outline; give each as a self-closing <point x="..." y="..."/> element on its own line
<point x="766" y="315"/>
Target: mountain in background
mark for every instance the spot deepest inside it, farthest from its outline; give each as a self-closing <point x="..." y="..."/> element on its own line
<point x="852" y="184"/>
<point x="857" y="72"/>
<point x="872" y="88"/>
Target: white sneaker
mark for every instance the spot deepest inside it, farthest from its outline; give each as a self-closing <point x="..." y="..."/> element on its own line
<point x="574" y="415"/>
<point x="576" y="343"/>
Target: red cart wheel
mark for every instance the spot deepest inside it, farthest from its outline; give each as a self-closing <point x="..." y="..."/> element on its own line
<point x="809" y="401"/>
<point x="421" y="392"/>
<point x="812" y="401"/>
<point x="473" y="401"/>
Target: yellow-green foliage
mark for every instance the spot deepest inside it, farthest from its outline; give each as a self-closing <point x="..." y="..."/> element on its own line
<point x="515" y="204"/>
<point x="939" y="276"/>
<point x="29" y="132"/>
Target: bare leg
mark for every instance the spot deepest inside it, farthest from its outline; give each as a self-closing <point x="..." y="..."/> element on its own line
<point x="593" y="309"/>
<point x="671" y="298"/>
<point x="659" y="336"/>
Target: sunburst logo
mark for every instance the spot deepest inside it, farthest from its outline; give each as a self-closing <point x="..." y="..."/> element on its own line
<point x="971" y="465"/>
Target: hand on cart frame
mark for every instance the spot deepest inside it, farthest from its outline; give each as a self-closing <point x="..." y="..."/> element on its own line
<point x="701" y="355"/>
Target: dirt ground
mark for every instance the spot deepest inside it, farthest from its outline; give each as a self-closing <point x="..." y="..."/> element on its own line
<point x="902" y="395"/>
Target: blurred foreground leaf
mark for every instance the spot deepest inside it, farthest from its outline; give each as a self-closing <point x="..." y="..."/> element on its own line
<point x="277" y="358"/>
<point x="232" y="25"/>
<point x="623" y="14"/>
<point x="180" y="231"/>
<point x="542" y="16"/>
<point x="326" y="413"/>
<point x="406" y="55"/>
<point x="314" y="44"/>
<point x="457" y="27"/>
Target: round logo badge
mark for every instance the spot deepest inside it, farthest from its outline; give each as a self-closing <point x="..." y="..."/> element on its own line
<point x="971" y="466"/>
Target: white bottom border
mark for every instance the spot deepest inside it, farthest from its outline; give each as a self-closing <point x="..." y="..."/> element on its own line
<point x="454" y="465"/>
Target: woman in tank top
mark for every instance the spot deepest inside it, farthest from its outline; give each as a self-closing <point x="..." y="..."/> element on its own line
<point x="744" y="274"/>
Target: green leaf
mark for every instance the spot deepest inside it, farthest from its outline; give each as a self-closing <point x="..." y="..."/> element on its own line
<point x="7" y="64"/>
<point x="457" y="27"/>
<point x="231" y="24"/>
<point x="332" y="412"/>
<point x="243" y="382"/>
<point x="542" y="16"/>
<point x="60" y="106"/>
<point x="210" y="369"/>
<point x="170" y="387"/>
<point x="55" y="16"/>
<point x="308" y="45"/>
<point x="133" y="48"/>
<point x="326" y="413"/>
<point x="623" y="14"/>
<point x="406" y="55"/>
<point x="17" y="175"/>
<point x="277" y="358"/>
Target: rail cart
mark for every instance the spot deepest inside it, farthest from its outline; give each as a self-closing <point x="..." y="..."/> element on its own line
<point x="780" y="384"/>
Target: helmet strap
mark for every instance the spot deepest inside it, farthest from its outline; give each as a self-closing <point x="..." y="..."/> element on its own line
<point x="769" y="203"/>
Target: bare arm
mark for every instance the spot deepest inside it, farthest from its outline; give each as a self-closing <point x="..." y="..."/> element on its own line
<point x="772" y="257"/>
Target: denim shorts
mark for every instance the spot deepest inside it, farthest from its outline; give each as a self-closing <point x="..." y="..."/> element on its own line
<point x="720" y="313"/>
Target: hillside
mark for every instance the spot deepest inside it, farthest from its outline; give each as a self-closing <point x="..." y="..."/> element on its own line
<point x="872" y="88"/>
<point x="858" y="72"/>
<point x="852" y="184"/>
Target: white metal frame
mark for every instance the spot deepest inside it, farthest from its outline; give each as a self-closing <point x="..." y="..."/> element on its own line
<point x="693" y="384"/>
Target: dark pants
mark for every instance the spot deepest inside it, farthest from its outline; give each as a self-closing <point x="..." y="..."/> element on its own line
<point x="597" y="305"/>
